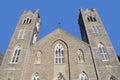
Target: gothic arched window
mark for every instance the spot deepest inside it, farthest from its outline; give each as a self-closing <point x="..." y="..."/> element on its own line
<point x="36" y="76"/>
<point x="96" y="31"/>
<point x="21" y="34"/>
<point x="94" y="19"/>
<point x="59" y="54"/>
<point x="34" y="38"/>
<point x="26" y="20"/>
<point x="59" y="77"/>
<point x="113" y="78"/>
<point x="80" y="56"/>
<point x="91" y="18"/>
<point x="37" y="26"/>
<point x="16" y="55"/>
<point x="103" y="51"/>
<point x="83" y="76"/>
<point x="38" y="57"/>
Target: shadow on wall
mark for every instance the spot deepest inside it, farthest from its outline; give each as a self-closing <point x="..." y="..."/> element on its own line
<point x="119" y="58"/>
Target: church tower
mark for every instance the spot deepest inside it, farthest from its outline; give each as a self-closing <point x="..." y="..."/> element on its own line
<point x="25" y="34"/>
<point x="103" y="55"/>
<point x="60" y="55"/>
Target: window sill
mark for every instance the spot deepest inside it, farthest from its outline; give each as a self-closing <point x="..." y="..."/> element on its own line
<point x="105" y="60"/>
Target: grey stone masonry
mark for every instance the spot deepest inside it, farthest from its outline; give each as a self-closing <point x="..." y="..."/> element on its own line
<point x="60" y="55"/>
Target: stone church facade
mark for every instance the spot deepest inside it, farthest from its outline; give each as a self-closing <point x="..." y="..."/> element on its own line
<point x="59" y="55"/>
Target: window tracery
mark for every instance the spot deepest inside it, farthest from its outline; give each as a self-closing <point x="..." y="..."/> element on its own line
<point x="59" y="54"/>
<point x="36" y="76"/>
<point x="103" y="52"/>
<point x="83" y="76"/>
<point x="80" y="56"/>
<point x="16" y="55"/>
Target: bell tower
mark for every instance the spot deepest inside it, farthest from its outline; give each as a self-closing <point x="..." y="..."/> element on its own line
<point x="25" y="35"/>
<point x="28" y="26"/>
<point x="102" y="51"/>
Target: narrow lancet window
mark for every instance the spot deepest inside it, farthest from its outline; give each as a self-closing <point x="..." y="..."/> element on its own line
<point x="34" y="38"/>
<point x="88" y="19"/>
<point x="94" y="19"/>
<point x="36" y="76"/>
<point x="16" y="55"/>
<point x="26" y="20"/>
<point x="38" y="57"/>
<point x="59" y="54"/>
<point x="37" y="26"/>
<point x="59" y="76"/>
<point x="83" y="76"/>
<point x="103" y="52"/>
<point x="96" y="31"/>
<point x="80" y="56"/>
<point x="91" y="18"/>
<point x="21" y="34"/>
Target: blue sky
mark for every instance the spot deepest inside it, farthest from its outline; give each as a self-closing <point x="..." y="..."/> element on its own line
<point x="54" y="11"/>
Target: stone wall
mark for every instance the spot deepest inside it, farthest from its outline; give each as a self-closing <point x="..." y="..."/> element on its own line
<point x="1" y="58"/>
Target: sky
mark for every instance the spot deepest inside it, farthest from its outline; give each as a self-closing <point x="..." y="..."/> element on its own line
<point x="54" y="11"/>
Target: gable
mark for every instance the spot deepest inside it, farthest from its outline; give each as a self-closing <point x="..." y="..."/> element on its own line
<point x="60" y="35"/>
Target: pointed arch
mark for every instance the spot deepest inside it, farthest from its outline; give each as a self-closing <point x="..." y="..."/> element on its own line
<point x="38" y="57"/>
<point x="27" y="20"/>
<point x="59" y="53"/>
<point x="16" y="54"/>
<point x="103" y="51"/>
<point x="60" y="76"/>
<point x="21" y="34"/>
<point x="36" y="76"/>
<point x="37" y="25"/>
<point x="24" y="20"/>
<point x="34" y="38"/>
<point x="96" y="30"/>
<point x="80" y="56"/>
<point x="83" y="76"/>
<point x="113" y="78"/>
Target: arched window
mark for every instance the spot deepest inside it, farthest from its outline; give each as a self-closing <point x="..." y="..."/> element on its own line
<point x="38" y="57"/>
<point x="94" y="19"/>
<point x="34" y="38"/>
<point x="80" y="56"/>
<point x="59" y="54"/>
<point x="91" y="18"/>
<point x="26" y="20"/>
<point x="59" y="77"/>
<point x="113" y="78"/>
<point x="37" y="26"/>
<point x="88" y="19"/>
<point x="36" y="76"/>
<point x="83" y="76"/>
<point x="103" y="51"/>
<point x="16" y="55"/>
<point x="96" y="31"/>
<point x="21" y="34"/>
<point x="29" y="21"/>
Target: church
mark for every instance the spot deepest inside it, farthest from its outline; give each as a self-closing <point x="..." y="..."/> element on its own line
<point x="60" y="55"/>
